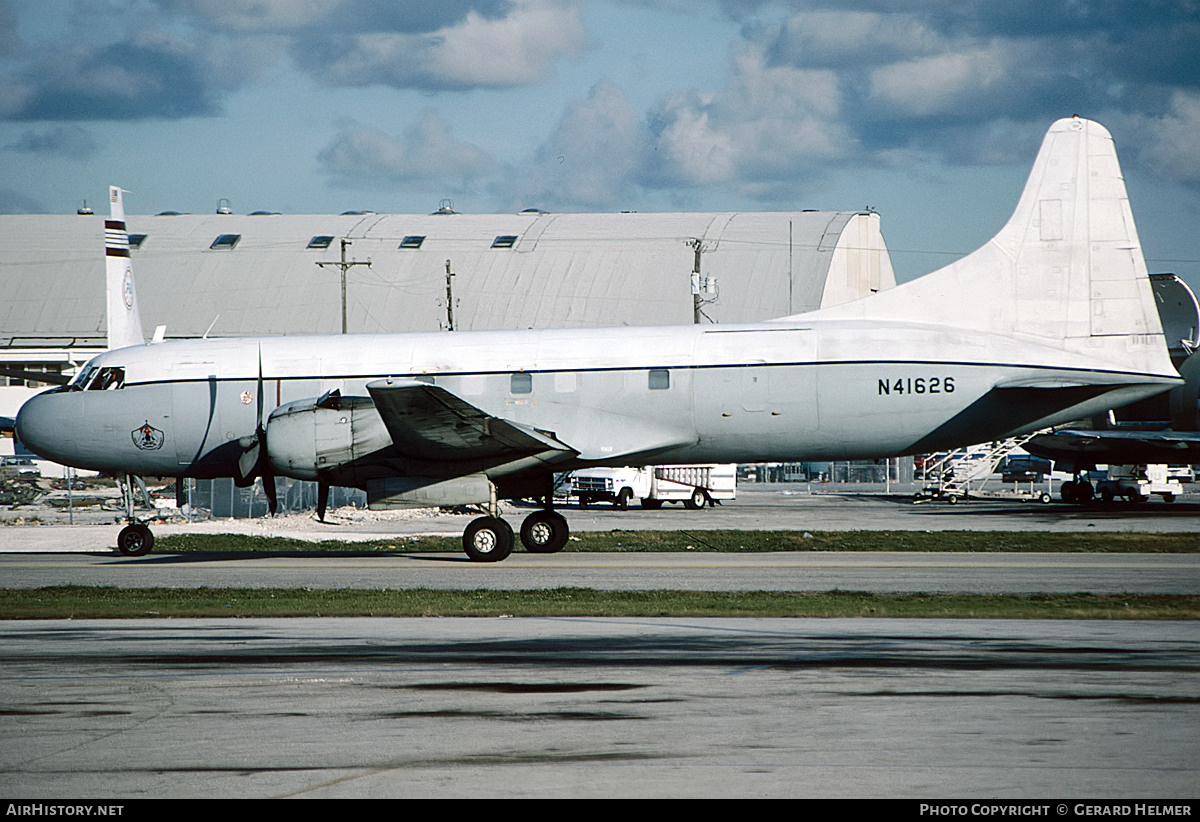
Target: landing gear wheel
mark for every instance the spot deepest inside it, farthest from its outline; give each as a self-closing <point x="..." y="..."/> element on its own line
<point x="488" y="539"/>
<point x="135" y="540"/>
<point x="696" y="500"/>
<point x="1067" y="491"/>
<point x="544" y="532"/>
<point x="651" y="504"/>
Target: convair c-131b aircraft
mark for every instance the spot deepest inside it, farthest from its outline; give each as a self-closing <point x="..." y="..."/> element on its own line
<point x="1053" y="320"/>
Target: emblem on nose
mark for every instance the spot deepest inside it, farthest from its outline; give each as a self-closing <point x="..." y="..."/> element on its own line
<point x="147" y="437"/>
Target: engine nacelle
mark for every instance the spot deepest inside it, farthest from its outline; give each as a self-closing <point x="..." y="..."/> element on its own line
<point x="313" y="438"/>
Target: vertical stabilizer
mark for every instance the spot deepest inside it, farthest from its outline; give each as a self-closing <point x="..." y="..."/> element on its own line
<point x="124" y="319"/>
<point x="1066" y="270"/>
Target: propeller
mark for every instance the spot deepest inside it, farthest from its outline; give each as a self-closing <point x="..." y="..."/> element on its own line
<point x="254" y="461"/>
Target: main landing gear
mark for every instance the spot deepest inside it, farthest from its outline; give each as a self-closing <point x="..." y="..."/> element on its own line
<point x="491" y="539"/>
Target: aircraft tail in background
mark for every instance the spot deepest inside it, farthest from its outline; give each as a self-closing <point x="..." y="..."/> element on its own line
<point x="124" y="318"/>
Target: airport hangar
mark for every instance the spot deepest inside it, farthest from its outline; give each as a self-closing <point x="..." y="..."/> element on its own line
<point x="228" y="275"/>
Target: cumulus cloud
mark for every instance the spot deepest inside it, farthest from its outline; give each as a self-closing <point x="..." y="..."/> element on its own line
<point x="1172" y="141"/>
<point x="768" y="121"/>
<point x="477" y="51"/>
<point x="974" y="82"/>
<point x="182" y="58"/>
<point x="152" y="74"/>
<point x="363" y="155"/>
<point x="594" y="158"/>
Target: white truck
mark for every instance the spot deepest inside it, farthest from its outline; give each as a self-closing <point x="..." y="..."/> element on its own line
<point x="1137" y="482"/>
<point x="693" y="485"/>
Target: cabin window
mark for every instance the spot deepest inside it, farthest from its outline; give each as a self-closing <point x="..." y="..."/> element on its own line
<point x="320" y="241"/>
<point x="522" y="383"/>
<point x="226" y="241"/>
<point x="504" y="241"/>
<point x="660" y="379"/>
<point x="412" y="241"/>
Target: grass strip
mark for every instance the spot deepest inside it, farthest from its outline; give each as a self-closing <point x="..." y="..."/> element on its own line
<point x="732" y="541"/>
<point x="81" y="602"/>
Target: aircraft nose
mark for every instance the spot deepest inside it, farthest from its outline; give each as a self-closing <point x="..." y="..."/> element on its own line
<point x="43" y="424"/>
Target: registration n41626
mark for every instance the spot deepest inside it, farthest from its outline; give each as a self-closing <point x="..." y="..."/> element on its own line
<point x="916" y="385"/>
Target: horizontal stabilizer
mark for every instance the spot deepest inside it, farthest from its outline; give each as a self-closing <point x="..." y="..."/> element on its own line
<point x="1163" y="447"/>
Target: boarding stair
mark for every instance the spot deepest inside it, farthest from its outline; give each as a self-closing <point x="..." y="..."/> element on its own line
<point x="956" y="475"/>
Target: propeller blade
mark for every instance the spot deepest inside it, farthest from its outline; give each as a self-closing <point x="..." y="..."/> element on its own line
<point x="263" y="460"/>
<point x="322" y="499"/>
<point x="272" y="497"/>
<point x="248" y="461"/>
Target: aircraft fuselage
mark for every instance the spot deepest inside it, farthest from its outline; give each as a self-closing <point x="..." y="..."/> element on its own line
<point x="777" y="391"/>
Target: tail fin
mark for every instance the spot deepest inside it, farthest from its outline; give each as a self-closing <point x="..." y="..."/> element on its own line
<point x="124" y="319"/>
<point x="1065" y="271"/>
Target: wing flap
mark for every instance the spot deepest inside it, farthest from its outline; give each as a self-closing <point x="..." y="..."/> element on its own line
<point x="430" y="423"/>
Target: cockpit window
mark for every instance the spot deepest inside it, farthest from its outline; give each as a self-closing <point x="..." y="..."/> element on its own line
<point x="81" y="379"/>
<point x="107" y="378"/>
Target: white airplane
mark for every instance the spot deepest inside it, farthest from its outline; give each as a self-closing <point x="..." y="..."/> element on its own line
<point x="1053" y="320"/>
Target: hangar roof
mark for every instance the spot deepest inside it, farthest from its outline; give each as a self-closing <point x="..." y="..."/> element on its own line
<point x="258" y="274"/>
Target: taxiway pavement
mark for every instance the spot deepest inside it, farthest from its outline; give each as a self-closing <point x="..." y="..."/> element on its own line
<point x="599" y="708"/>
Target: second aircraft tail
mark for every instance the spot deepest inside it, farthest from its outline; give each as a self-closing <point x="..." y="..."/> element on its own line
<point x="124" y="318"/>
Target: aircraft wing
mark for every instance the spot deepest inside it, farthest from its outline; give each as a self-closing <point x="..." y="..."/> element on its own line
<point x="35" y="376"/>
<point x="430" y="423"/>
<point x="1118" y="447"/>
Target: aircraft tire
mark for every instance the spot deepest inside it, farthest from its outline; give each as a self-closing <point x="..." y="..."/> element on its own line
<point x="545" y="532"/>
<point x="488" y="539"/>
<point x="135" y="540"/>
<point x="651" y="504"/>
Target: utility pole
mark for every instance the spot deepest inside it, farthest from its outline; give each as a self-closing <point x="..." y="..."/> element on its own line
<point x="700" y="283"/>
<point x="343" y="265"/>
<point x="449" y="297"/>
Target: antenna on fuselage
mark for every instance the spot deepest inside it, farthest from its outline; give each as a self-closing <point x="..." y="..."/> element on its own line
<point x="124" y="318"/>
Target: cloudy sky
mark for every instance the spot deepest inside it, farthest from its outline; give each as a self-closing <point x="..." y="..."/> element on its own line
<point x="930" y="112"/>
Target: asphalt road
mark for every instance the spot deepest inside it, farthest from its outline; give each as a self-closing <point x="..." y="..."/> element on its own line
<point x="589" y="708"/>
<point x="882" y="572"/>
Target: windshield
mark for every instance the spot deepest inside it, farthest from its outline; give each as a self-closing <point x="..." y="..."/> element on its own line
<point x="81" y="379"/>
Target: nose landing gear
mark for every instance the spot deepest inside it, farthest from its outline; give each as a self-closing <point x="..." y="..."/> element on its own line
<point x="135" y="539"/>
